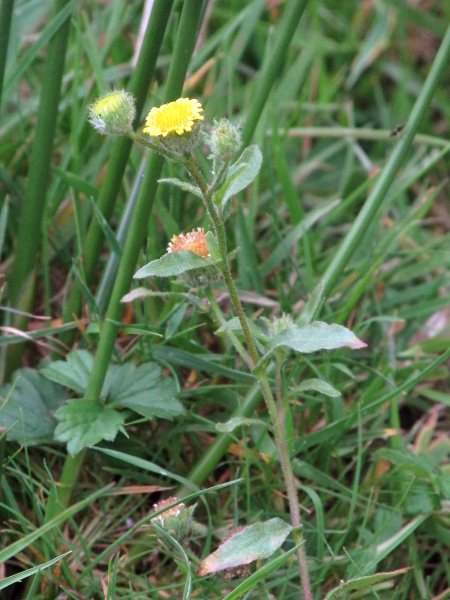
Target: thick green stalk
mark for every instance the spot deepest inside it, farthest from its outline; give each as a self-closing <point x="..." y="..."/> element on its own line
<point x="285" y="32"/>
<point x="6" y="11"/>
<point x="30" y="227"/>
<point x="376" y="197"/>
<point x="109" y="190"/>
<point x="184" y="47"/>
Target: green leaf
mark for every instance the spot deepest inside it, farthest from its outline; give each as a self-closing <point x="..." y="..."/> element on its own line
<point x="142" y="292"/>
<point x="317" y="385"/>
<point x="362" y="583"/>
<point x="231" y="425"/>
<point x="31" y="402"/>
<point x="311" y="307"/>
<point x="255" y="542"/>
<point x="145" y="390"/>
<point x="235" y="325"/>
<point x="312" y="338"/>
<point x="4" y="583"/>
<point x="240" y="174"/>
<point x="416" y="463"/>
<point x="73" y="372"/>
<point x="173" y="263"/>
<point x="107" y="231"/>
<point x="187" y="187"/>
<point x="86" y="422"/>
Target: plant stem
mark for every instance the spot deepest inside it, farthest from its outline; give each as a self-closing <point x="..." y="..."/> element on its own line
<point x="283" y="452"/>
<point x="219" y="229"/>
<point x="222" y="321"/>
<point x="279" y="393"/>
<point x="289" y="479"/>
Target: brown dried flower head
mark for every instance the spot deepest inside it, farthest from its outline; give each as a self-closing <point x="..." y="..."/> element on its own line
<point x="195" y="241"/>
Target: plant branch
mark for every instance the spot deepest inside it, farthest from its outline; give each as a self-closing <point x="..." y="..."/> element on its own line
<point x="222" y="321"/>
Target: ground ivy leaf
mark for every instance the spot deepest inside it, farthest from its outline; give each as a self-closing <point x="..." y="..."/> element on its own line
<point x="255" y="542"/>
<point x="29" y="411"/>
<point x="145" y="390"/>
<point x="84" y="422"/>
<point x="312" y="338"/>
<point x="173" y="263"/>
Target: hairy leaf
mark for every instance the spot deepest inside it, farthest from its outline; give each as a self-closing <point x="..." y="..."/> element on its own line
<point x="312" y="338"/>
<point x="186" y="187"/>
<point x="252" y="543"/>
<point x="173" y="263"/>
<point x="241" y="174"/>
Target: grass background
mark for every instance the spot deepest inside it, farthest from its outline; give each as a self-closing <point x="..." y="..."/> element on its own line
<point x="374" y="474"/>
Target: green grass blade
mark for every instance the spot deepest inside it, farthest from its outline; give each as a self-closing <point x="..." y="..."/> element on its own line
<point x="6" y="11"/>
<point x="63" y="13"/>
<point x="57" y="521"/>
<point x="117" y="162"/>
<point x="4" y="583"/>
<point x="286" y="29"/>
<point x="376" y="197"/>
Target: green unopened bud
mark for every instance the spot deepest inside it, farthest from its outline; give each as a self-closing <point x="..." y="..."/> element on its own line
<point x="279" y="324"/>
<point x="276" y="326"/>
<point x="113" y="113"/>
<point x="224" y="139"/>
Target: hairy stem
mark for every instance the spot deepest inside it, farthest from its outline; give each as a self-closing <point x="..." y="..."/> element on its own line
<point x="222" y="321"/>
<point x="283" y="452"/>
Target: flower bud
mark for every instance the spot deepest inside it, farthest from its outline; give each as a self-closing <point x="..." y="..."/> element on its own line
<point x="279" y="324"/>
<point x="113" y="113"/>
<point x="177" y="520"/>
<point x="224" y="139"/>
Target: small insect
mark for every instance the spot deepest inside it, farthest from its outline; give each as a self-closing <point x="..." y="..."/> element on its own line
<point x="397" y="130"/>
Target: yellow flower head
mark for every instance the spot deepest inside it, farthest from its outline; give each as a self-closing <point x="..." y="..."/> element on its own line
<point x="174" y="117"/>
<point x="195" y="241"/>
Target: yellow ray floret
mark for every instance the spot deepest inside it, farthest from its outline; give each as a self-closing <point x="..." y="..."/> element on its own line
<point x="174" y="117"/>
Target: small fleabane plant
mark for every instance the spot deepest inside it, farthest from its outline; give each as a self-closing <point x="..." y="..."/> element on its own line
<point x="200" y="258"/>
